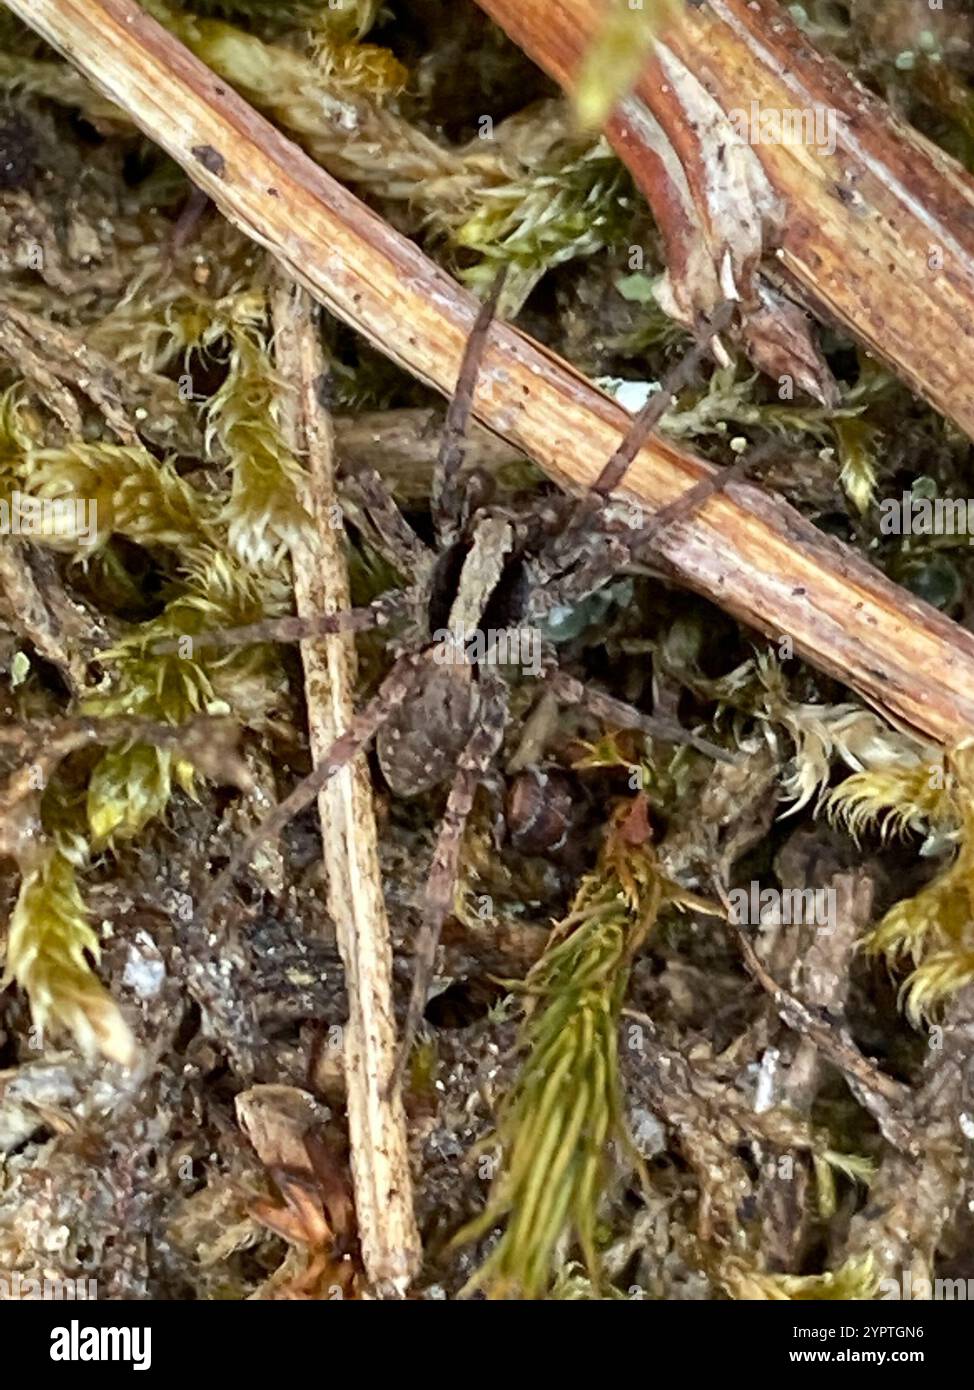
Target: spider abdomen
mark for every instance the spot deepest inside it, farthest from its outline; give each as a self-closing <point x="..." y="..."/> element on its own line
<point x="419" y="745"/>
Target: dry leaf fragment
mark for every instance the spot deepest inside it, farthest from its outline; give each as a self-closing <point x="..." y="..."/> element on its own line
<point x="315" y="1213"/>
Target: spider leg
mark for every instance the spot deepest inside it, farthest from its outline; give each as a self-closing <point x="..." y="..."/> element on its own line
<point x="689" y="502"/>
<point x="393" y="534"/>
<point x="607" y="556"/>
<point x="656" y="407"/>
<point x="473" y="764"/>
<point x="377" y="614"/>
<point x="625" y="716"/>
<point x="584" y="557"/>
<point x="391" y="693"/>
<point x="580" y="515"/>
<point x="446" y="497"/>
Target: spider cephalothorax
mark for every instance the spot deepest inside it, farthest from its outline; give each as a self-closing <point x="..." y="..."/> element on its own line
<point x="420" y="742"/>
<point x="473" y="607"/>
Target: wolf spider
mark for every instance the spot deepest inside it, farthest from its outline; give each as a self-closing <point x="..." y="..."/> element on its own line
<point x="441" y="706"/>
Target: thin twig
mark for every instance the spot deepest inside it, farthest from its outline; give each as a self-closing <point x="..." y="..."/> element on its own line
<point x="873" y="227"/>
<point x="390" y="1242"/>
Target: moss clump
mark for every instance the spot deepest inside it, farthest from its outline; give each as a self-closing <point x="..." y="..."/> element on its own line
<point x="48" y="948"/>
<point x="556" y="1126"/>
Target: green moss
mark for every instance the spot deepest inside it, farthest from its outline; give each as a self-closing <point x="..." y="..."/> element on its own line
<point x="48" y="948"/>
<point x="617" y="56"/>
<point x="556" y="1125"/>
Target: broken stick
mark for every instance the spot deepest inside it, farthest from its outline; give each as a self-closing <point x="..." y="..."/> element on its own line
<point x="391" y="1250"/>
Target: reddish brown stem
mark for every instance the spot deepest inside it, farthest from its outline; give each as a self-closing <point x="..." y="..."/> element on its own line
<point x="879" y="233"/>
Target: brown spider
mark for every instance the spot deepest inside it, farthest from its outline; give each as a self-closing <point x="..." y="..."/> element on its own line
<point x="480" y="595"/>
